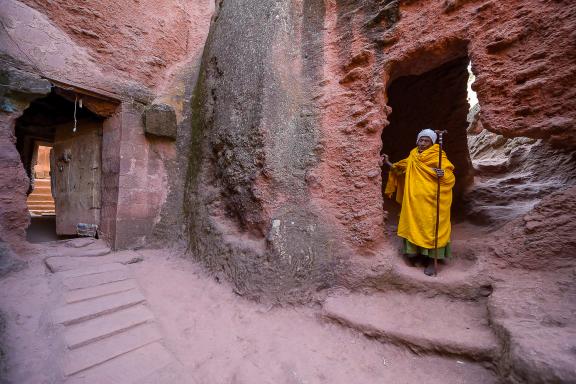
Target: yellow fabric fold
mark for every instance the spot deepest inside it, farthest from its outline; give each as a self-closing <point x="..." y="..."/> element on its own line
<point x="415" y="184"/>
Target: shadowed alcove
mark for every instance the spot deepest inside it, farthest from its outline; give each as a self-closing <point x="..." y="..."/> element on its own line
<point x="436" y="99"/>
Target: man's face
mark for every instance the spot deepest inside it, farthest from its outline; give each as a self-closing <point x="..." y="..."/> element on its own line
<point x="424" y="143"/>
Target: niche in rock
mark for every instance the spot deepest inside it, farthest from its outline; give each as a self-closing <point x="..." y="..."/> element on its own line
<point x="436" y="99"/>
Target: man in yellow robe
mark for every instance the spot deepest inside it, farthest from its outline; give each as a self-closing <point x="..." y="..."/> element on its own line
<point x="415" y="182"/>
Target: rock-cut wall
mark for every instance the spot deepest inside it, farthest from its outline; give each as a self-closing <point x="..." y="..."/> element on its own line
<point x="284" y="186"/>
<point x="255" y="138"/>
<point x="131" y="56"/>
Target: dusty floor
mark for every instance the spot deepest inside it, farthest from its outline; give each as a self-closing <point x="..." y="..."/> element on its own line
<point x="217" y="336"/>
<point x="30" y="342"/>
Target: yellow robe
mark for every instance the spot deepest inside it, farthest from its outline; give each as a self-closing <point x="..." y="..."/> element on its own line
<point x="415" y="184"/>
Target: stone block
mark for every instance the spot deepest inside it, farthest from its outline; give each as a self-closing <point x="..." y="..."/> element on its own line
<point x="160" y="120"/>
<point x="22" y="85"/>
<point x="89" y="309"/>
<point x="91" y="270"/>
<point x="65" y="263"/>
<point x="133" y="367"/>
<point x="104" y="350"/>
<point x="439" y="325"/>
<point x="95" y="279"/>
<point x="99" y="291"/>
<point x="90" y="331"/>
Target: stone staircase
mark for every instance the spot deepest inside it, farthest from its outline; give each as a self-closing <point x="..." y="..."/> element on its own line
<point x="432" y="325"/>
<point x="40" y="201"/>
<point x="109" y="333"/>
<point x="446" y="316"/>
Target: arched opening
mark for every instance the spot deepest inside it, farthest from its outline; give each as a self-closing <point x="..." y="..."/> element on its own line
<point x="59" y="143"/>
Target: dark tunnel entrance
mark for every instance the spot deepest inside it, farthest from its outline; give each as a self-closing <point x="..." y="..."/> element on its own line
<point x="436" y="99"/>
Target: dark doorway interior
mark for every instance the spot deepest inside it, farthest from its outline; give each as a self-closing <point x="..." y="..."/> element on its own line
<point x="47" y="126"/>
<point x="436" y="99"/>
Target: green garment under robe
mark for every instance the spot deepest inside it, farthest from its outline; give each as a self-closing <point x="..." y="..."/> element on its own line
<point x="409" y="248"/>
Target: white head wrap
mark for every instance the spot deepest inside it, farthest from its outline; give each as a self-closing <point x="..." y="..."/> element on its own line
<point x="429" y="133"/>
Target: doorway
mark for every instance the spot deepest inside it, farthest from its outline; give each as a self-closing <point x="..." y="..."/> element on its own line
<point x="60" y="145"/>
<point x="437" y="99"/>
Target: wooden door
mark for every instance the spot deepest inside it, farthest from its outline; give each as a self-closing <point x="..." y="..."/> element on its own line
<point x="76" y="174"/>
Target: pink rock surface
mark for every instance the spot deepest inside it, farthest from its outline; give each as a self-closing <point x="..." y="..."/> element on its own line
<point x="133" y="40"/>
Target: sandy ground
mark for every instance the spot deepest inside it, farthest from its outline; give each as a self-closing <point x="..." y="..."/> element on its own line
<point x="218" y="336"/>
<point x="32" y="347"/>
<point x="222" y="338"/>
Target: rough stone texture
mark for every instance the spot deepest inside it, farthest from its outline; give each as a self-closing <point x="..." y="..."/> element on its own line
<point x="9" y="262"/>
<point x="17" y="89"/>
<point x="169" y="228"/>
<point x="533" y="312"/>
<point x="543" y="239"/>
<point x="249" y="213"/>
<point x="284" y="181"/>
<point x="30" y="37"/>
<point x="3" y="352"/>
<point x="424" y="324"/>
<point x="98" y="49"/>
<point x="512" y="175"/>
<point x="160" y="120"/>
<point x="142" y="180"/>
<point x="130" y="39"/>
<point x="532" y="267"/>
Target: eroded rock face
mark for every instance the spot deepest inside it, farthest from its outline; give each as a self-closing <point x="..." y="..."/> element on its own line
<point x="255" y="137"/>
<point x="512" y="175"/>
<point x="18" y="89"/>
<point x="532" y="306"/>
<point x="130" y="39"/>
<point x="121" y="57"/>
<point x="543" y="239"/>
<point x="284" y="181"/>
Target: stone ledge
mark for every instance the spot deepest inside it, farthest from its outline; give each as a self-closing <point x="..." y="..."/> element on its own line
<point x="430" y="325"/>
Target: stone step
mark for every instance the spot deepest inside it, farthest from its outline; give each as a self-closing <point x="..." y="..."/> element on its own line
<point x="39" y="199"/>
<point x="99" y="291"/>
<point x="65" y="263"/>
<point x="41" y="212"/>
<point x="423" y="324"/>
<point x="41" y="191"/>
<point x="36" y="199"/>
<point x="82" y="252"/>
<point x="95" y="279"/>
<point x="41" y="187"/>
<point x="460" y="278"/>
<point x="130" y="368"/>
<point x="41" y="207"/>
<point x="91" y="270"/>
<point x="82" y="242"/>
<point x="89" y="309"/>
<point x="89" y="331"/>
<point x="100" y="351"/>
<point x="42" y="181"/>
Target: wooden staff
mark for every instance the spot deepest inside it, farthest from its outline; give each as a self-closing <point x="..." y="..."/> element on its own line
<point x="440" y="142"/>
